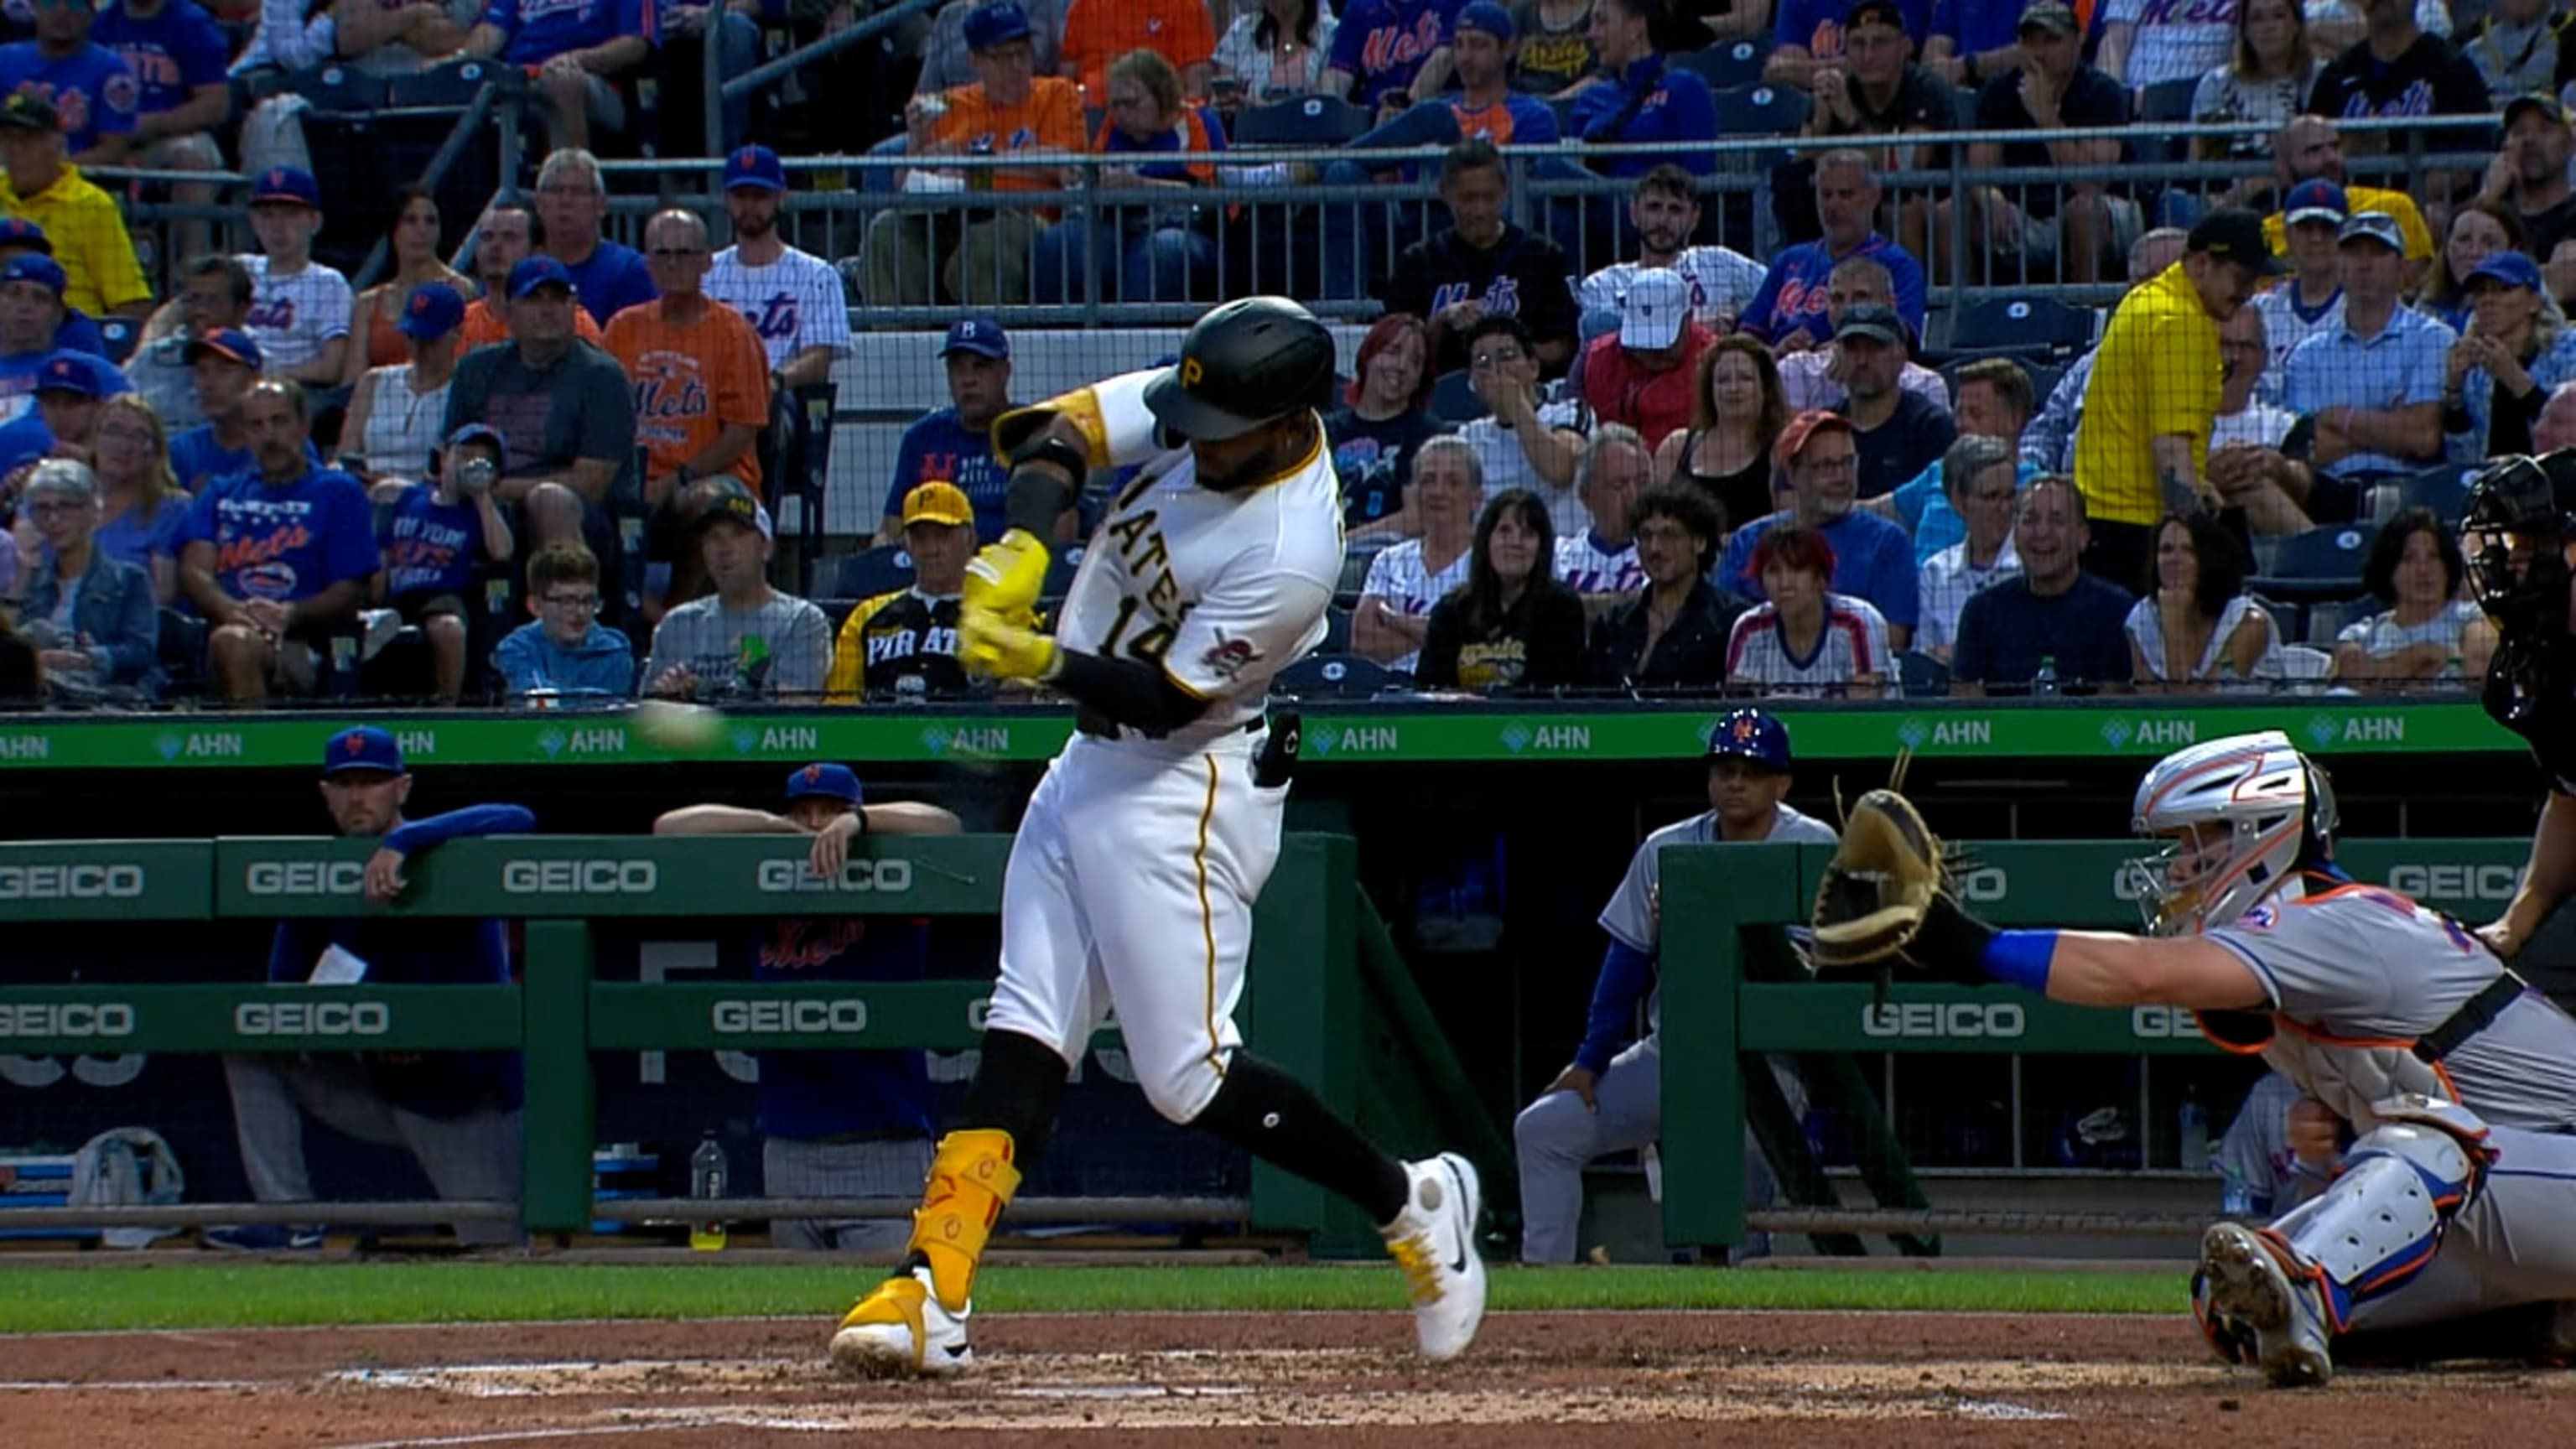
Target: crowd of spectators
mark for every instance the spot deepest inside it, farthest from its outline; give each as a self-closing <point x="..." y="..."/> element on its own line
<point x="1586" y="446"/>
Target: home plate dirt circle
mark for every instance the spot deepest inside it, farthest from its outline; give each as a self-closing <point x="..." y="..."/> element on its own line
<point x="1269" y="1379"/>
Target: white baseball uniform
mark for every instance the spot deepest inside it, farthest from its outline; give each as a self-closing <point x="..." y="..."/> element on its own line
<point x="291" y="317"/>
<point x="1132" y="878"/>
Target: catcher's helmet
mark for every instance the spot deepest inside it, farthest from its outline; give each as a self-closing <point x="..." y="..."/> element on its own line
<point x="1244" y="364"/>
<point x="2275" y="808"/>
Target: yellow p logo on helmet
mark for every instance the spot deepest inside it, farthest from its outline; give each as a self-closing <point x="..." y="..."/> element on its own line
<point x="1191" y="372"/>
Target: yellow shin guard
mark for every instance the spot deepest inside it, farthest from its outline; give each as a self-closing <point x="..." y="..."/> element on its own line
<point x="971" y="1181"/>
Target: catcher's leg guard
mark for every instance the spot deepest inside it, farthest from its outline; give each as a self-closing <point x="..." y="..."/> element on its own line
<point x="971" y="1181"/>
<point x="2382" y="1220"/>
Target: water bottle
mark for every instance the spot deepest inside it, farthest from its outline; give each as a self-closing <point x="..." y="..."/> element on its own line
<point x="2043" y="685"/>
<point x="2195" y="1132"/>
<point x="2455" y="673"/>
<point x="707" y="1181"/>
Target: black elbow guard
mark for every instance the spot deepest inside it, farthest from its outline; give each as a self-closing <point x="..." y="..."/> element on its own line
<point x="1038" y="495"/>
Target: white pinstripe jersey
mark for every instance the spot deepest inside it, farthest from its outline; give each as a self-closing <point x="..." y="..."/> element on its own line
<point x="794" y="303"/>
<point x="292" y="317"/>
<point x="1853" y="643"/>
<point x="1584" y="566"/>
<point x="1399" y="576"/>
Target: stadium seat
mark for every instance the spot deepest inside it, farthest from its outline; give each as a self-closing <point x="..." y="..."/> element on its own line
<point x="1303" y="121"/>
<point x="2297" y="668"/>
<point x="2028" y="328"/>
<point x="1728" y="64"/>
<point x="1346" y="675"/>
<point x="2328" y="620"/>
<point x="806" y="465"/>
<point x="1922" y="675"/>
<point x="2318" y="564"/>
<point x="1061" y="567"/>
<point x="869" y="572"/>
<point x="1761" y="110"/>
<point x="1337" y="631"/>
<point x="121" y="336"/>
<point x="1453" y="401"/>
<point x="2445" y="490"/>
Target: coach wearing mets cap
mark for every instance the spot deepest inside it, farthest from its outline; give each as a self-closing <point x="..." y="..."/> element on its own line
<point x="457" y="1113"/>
<point x="834" y="1123"/>
<point x="1608" y="1100"/>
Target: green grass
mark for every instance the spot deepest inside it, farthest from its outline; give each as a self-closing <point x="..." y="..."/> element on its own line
<point x="231" y="1295"/>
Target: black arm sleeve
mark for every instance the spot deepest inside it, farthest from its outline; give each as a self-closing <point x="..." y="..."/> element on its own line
<point x="1038" y="496"/>
<point x="1126" y="691"/>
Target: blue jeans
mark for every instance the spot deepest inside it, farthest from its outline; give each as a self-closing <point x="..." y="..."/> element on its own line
<point x="1136" y="261"/>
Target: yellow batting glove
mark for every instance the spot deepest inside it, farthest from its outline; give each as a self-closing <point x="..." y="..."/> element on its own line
<point x="1006" y="575"/>
<point x="992" y="647"/>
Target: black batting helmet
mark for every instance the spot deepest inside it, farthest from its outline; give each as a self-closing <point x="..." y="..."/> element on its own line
<point x="1244" y="364"/>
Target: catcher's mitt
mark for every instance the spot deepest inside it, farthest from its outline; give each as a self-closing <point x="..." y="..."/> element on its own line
<point x="1883" y="880"/>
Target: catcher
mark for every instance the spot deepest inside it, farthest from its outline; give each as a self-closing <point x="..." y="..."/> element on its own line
<point x="2458" y="1195"/>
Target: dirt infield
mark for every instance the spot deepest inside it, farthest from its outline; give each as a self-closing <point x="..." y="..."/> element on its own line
<point x="1275" y="1379"/>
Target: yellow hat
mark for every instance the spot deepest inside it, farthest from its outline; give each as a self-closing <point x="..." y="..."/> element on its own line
<point x="937" y="501"/>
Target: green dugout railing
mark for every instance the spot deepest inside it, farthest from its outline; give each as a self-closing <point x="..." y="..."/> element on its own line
<point x="2132" y="726"/>
<point x="1730" y="994"/>
<point x="1318" y="975"/>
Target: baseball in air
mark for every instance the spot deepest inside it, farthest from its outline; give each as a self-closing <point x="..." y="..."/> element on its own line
<point x="673" y="725"/>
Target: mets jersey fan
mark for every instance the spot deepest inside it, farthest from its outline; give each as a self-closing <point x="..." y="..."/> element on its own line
<point x="2458" y="1079"/>
<point x="1132" y="879"/>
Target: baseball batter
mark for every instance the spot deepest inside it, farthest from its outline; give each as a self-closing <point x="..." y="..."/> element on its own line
<point x="1132" y="880"/>
<point x="2459" y="1080"/>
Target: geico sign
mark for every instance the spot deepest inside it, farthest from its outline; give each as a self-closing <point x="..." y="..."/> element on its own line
<point x="2160" y="1023"/>
<point x="579" y="877"/>
<point x="1984" y="883"/>
<point x="305" y="878"/>
<point x="796" y="1018"/>
<point x="113" y="1018"/>
<point x="885" y="877"/>
<point x="70" y="882"/>
<point x="2490" y="882"/>
<point x="1932" y="1018"/>
<point x="312" y="1018"/>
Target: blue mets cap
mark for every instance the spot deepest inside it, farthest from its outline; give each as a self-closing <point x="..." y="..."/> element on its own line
<point x="1749" y="734"/>
<point x="292" y="184"/>
<point x="1487" y="17"/>
<point x="433" y="310"/>
<point x="2511" y="268"/>
<point x="833" y="782"/>
<point x="537" y="272"/>
<point x="17" y="231"/>
<point x="38" y="268"/>
<point x="755" y="167"/>
<point x="362" y="748"/>
<point x="70" y="372"/>
<point x="998" y="24"/>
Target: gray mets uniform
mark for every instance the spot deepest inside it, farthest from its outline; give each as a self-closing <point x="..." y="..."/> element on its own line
<point x="2421" y="1226"/>
<point x="1555" y="1135"/>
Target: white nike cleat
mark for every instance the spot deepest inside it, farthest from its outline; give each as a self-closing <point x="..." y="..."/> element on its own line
<point x="1434" y="1241"/>
<point x="901" y="1329"/>
<point x="2247" y="1282"/>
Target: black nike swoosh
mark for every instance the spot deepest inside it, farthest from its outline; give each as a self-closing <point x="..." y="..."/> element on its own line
<point x="1458" y="1187"/>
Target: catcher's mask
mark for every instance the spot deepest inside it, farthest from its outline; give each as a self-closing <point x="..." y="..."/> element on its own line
<point x="2238" y="817"/>
<point x="2521" y="514"/>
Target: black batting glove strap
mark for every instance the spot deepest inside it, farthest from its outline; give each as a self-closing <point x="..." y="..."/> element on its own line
<point x="1950" y="946"/>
